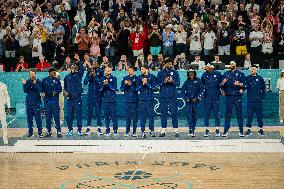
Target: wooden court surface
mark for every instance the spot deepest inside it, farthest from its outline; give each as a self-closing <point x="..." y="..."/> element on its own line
<point x="155" y="171"/>
<point x="145" y="170"/>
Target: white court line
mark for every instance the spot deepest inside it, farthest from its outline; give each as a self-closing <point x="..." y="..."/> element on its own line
<point x="159" y="146"/>
<point x="11" y="121"/>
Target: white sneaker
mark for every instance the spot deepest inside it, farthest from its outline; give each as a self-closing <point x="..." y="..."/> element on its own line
<point x="6" y="142"/>
<point x="281" y="121"/>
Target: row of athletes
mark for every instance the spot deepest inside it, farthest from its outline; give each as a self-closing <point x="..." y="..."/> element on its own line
<point x="139" y="99"/>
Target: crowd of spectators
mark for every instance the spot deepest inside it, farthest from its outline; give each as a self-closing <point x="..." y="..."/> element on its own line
<point x="39" y="34"/>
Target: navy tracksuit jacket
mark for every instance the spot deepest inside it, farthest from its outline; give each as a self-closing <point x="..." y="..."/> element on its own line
<point x="146" y="100"/>
<point x="192" y="92"/>
<point x="131" y="102"/>
<point x="108" y="93"/>
<point x="233" y="97"/>
<point x="52" y="88"/>
<point x="73" y="86"/>
<point x="168" y="96"/>
<point x="256" y="90"/>
<point x="33" y="103"/>
<point x="211" y="82"/>
<point x="94" y="97"/>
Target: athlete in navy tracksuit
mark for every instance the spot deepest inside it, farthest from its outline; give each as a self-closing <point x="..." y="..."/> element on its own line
<point x="33" y="88"/>
<point x="233" y="85"/>
<point x="94" y="100"/>
<point x="51" y="86"/>
<point x="73" y="92"/>
<point x="146" y="85"/>
<point x="108" y="88"/>
<point x="168" y="80"/>
<point x="129" y="87"/>
<point x="256" y="90"/>
<point x="192" y="91"/>
<point x="211" y="80"/>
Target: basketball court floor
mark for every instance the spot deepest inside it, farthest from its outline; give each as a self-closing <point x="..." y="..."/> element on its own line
<point x="154" y="163"/>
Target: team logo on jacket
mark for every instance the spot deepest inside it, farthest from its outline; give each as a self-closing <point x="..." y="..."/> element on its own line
<point x="214" y="75"/>
<point x="181" y="105"/>
<point x="256" y="79"/>
<point x="172" y="73"/>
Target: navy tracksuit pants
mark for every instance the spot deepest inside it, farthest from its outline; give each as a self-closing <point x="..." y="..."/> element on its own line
<point x="236" y="102"/>
<point x="32" y="111"/>
<point x="211" y="105"/>
<point x="94" y="102"/>
<point x="169" y="105"/>
<point x="131" y="115"/>
<point x="254" y="107"/>
<point x="191" y="110"/>
<point x="52" y="111"/>
<point x="74" y="105"/>
<point x="110" y="113"/>
<point x="146" y="109"/>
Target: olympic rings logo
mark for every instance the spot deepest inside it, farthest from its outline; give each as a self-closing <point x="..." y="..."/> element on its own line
<point x="157" y="105"/>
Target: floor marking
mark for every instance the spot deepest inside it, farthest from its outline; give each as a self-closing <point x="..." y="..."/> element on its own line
<point x="11" y="121"/>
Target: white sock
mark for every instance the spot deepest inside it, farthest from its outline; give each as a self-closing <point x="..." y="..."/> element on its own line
<point x="206" y="128"/>
<point x="176" y="130"/>
<point x="217" y="128"/>
<point x="163" y="130"/>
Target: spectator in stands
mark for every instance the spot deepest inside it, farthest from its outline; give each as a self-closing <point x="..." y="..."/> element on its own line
<point x="95" y="47"/>
<point x="2" y="33"/>
<point x="122" y="38"/>
<point x="247" y="62"/>
<point x="75" y="29"/>
<point x="83" y="42"/>
<point x="267" y="47"/>
<point x="22" y="36"/>
<point x="217" y="60"/>
<point x="195" y="40"/>
<point x="105" y="63"/>
<point x="22" y="65"/>
<point x="161" y="60"/>
<point x="36" y="48"/>
<point x="241" y="39"/>
<point x="152" y="65"/>
<point x="280" y="87"/>
<point x="280" y="40"/>
<point x="181" y="63"/>
<point x="10" y="48"/>
<point x="137" y="39"/>
<point x="109" y="38"/>
<point x="180" y="38"/>
<point x="123" y="64"/>
<point x="67" y="65"/>
<point x="43" y="65"/>
<point x="256" y="38"/>
<point x="209" y="41"/>
<point x="224" y="37"/>
<point x="155" y="40"/>
<point x="168" y="41"/>
<point x="197" y="61"/>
